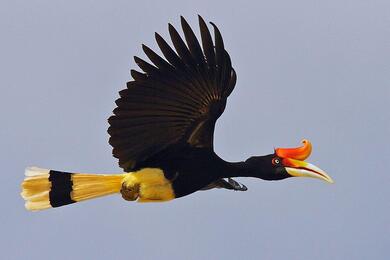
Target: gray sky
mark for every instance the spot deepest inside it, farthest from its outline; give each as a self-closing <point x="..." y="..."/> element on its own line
<point x="306" y="69"/>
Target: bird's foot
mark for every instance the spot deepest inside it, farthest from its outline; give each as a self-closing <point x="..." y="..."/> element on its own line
<point x="130" y="192"/>
<point x="236" y="185"/>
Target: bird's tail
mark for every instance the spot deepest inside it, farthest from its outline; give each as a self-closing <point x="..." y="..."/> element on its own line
<point x="44" y="188"/>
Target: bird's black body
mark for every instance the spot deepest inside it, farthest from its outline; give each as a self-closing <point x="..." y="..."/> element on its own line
<point x="191" y="169"/>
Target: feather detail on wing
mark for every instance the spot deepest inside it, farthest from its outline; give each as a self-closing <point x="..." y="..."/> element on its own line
<point x="175" y="100"/>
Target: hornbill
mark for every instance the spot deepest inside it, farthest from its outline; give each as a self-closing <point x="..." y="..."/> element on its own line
<point x="162" y="132"/>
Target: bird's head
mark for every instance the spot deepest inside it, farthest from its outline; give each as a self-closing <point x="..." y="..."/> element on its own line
<point x="287" y="162"/>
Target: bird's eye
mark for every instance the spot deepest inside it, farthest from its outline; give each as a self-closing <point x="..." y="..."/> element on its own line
<point x="275" y="161"/>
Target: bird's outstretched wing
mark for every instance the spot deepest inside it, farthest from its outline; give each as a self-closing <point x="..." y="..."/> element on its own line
<point x="175" y="100"/>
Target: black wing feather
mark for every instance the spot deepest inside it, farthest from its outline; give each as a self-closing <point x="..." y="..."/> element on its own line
<point x="176" y="101"/>
<point x="181" y="47"/>
<point x="192" y="43"/>
<point x="207" y="43"/>
<point x="162" y="64"/>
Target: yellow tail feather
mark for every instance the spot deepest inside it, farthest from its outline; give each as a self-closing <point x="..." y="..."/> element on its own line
<point x="89" y="186"/>
<point x="42" y="188"/>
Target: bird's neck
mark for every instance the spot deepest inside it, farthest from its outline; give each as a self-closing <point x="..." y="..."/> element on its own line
<point x="243" y="169"/>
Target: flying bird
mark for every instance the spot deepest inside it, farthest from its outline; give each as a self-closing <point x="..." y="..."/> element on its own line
<point x="162" y="132"/>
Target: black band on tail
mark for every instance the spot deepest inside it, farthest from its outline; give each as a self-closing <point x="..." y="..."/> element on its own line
<point x="61" y="188"/>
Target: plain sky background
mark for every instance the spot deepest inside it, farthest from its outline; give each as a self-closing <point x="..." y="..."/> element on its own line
<point x="306" y="69"/>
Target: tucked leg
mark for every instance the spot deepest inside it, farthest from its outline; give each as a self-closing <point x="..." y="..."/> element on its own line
<point x="236" y="185"/>
<point x="230" y="184"/>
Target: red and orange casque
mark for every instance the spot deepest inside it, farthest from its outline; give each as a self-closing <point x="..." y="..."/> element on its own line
<point x="299" y="153"/>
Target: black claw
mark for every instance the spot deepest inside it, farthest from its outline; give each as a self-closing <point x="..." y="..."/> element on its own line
<point x="236" y="185"/>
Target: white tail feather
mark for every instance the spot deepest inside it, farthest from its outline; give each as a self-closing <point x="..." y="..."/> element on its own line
<point x="35" y="171"/>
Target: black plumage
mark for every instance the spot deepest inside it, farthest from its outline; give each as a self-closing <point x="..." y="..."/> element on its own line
<point x="174" y="102"/>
